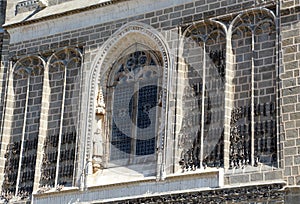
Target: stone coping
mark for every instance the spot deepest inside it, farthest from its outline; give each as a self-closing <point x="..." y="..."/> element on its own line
<point x="254" y="191"/>
<point x="264" y="191"/>
<point x="200" y="174"/>
<point x="55" y="11"/>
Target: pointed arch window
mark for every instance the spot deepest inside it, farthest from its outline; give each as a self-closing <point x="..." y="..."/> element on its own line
<point x="202" y="98"/>
<point x="63" y="82"/>
<point x="21" y="152"/>
<point x="135" y="87"/>
<point x="253" y="136"/>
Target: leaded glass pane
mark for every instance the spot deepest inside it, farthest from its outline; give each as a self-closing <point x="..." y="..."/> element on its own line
<point x="146" y="120"/>
<point x="121" y="128"/>
<point x="135" y="102"/>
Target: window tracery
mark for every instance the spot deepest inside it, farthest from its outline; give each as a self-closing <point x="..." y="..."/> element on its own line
<point x="135" y="85"/>
<point x="61" y="141"/>
<point x="201" y="135"/>
<point x="22" y="150"/>
<point x="253" y="137"/>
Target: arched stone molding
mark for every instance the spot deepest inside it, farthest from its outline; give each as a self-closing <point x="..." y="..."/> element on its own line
<point x="136" y="79"/>
<point x="240" y="19"/>
<point x="26" y="79"/>
<point x="198" y="64"/>
<point x="125" y="37"/>
<point x="250" y="25"/>
<point x="59" y="136"/>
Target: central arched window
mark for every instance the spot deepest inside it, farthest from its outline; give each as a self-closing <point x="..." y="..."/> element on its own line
<point x="134" y="85"/>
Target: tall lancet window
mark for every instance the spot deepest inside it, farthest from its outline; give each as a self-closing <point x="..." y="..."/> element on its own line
<point x="201" y="99"/>
<point x="63" y="105"/>
<point x="134" y="86"/>
<point x="27" y="83"/>
<point x="253" y="138"/>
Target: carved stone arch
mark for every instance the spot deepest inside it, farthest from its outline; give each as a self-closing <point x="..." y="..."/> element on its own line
<point x="65" y="55"/>
<point x="204" y="26"/>
<point x="25" y="93"/>
<point x="62" y="92"/>
<point x="129" y="35"/>
<point x="199" y="32"/>
<point x="65" y="65"/>
<point x="29" y="65"/>
<point x="133" y="87"/>
<point x="148" y="53"/>
<point x="247" y="17"/>
<point x="244" y="23"/>
<point x="201" y="141"/>
<point x="253" y="59"/>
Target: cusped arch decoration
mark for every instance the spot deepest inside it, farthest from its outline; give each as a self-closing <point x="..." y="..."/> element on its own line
<point x="128" y="35"/>
<point x="26" y="77"/>
<point x="65" y="56"/>
<point x="253" y="133"/>
<point x="205" y="26"/>
<point x="150" y="58"/>
<point x="245" y="19"/>
<point x="63" y="79"/>
<point x="200" y="142"/>
<point x="29" y="65"/>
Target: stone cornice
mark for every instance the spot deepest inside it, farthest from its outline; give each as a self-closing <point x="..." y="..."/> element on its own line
<point x="237" y="194"/>
<point x="143" y="187"/>
<point x="31" y="17"/>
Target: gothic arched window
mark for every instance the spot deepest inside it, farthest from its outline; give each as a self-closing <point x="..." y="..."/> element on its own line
<point x="134" y="84"/>
<point x="201" y="99"/>
<point x="27" y="84"/>
<point x="63" y="84"/>
<point x="253" y="138"/>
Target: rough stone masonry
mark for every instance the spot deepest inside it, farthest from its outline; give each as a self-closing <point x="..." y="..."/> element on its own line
<point x="199" y="101"/>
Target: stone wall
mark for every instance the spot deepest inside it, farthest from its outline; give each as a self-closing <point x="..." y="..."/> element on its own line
<point x="290" y="85"/>
<point x="262" y="89"/>
<point x="2" y="11"/>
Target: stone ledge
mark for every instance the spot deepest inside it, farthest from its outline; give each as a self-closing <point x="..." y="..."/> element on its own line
<point x="55" y="11"/>
<point x="25" y="6"/>
<point x="185" y="182"/>
<point x="236" y="194"/>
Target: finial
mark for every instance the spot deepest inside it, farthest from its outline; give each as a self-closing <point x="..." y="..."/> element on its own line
<point x="100" y="107"/>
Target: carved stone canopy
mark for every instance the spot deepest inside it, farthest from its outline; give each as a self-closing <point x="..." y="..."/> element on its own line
<point x="100" y="106"/>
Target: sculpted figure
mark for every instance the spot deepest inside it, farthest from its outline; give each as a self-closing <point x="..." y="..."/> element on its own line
<point x="99" y="135"/>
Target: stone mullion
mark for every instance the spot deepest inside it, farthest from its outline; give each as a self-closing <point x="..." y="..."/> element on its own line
<point x="172" y="132"/>
<point x="278" y="67"/>
<point x="23" y="135"/>
<point x="134" y="116"/>
<point x="78" y="120"/>
<point x="203" y="104"/>
<point x="178" y="91"/>
<point x="229" y="97"/>
<point x="61" y="125"/>
<point x="42" y="130"/>
<point x="252" y="96"/>
<point x="7" y="122"/>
